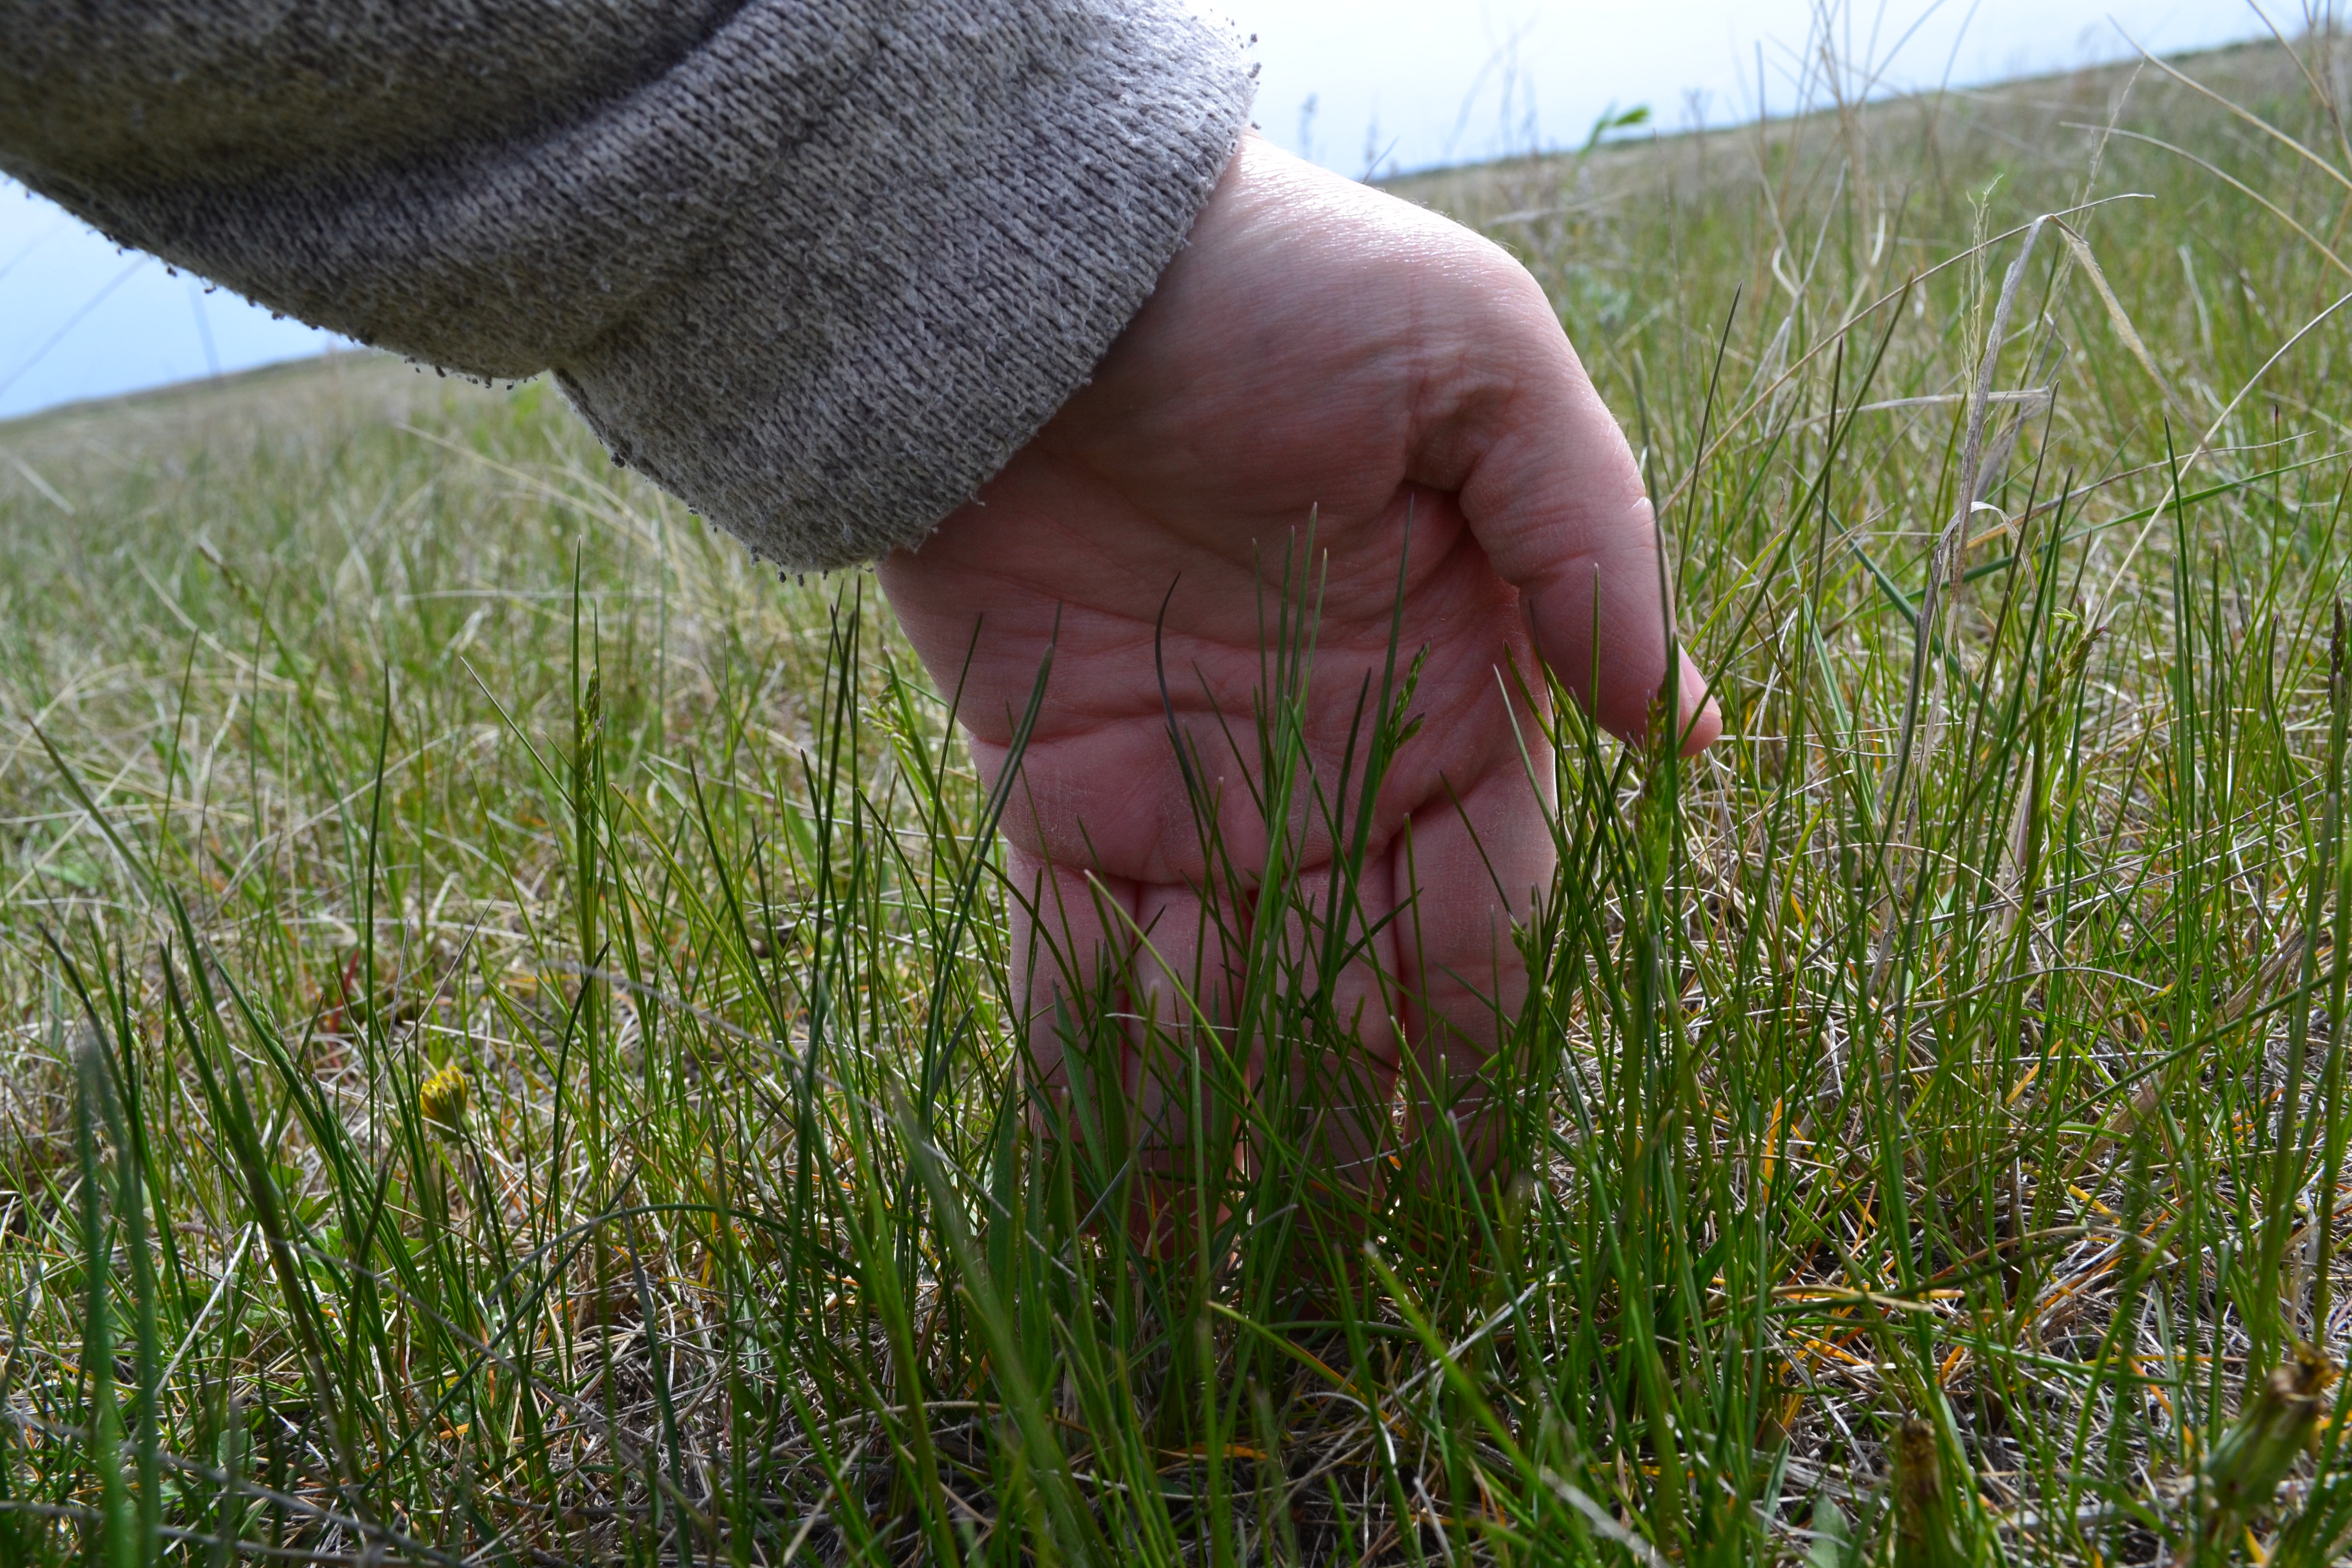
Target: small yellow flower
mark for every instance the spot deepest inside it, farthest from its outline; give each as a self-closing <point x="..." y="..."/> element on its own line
<point x="442" y="1099"/>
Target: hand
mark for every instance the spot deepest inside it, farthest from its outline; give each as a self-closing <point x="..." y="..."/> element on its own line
<point x="1319" y="348"/>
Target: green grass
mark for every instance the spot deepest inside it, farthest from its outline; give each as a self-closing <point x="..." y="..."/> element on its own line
<point x="1930" y="1103"/>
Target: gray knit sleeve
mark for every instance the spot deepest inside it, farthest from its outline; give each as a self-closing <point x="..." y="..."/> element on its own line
<point x="817" y="266"/>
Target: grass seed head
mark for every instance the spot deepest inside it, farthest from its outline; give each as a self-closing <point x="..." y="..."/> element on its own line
<point x="2249" y="1460"/>
<point x="1927" y="1529"/>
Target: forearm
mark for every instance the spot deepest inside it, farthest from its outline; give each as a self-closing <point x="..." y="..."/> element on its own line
<point x="819" y="268"/>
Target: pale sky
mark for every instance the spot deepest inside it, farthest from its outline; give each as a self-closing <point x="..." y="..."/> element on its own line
<point x="1350" y="83"/>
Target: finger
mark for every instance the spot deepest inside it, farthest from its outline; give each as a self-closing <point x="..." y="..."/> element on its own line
<point x="1068" y="968"/>
<point x="1556" y="499"/>
<point x="1341" y="1065"/>
<point x="1190" y="1082"/>
<point x="1126" y="993"/>
<point x="1183" y="990"/>
<point x="1472" y="871"/>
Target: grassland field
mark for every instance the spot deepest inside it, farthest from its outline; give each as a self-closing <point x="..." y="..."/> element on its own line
<point x="502" y="1002"/>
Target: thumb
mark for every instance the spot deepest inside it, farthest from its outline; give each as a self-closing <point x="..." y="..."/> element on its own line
<point x="1555" y="498"/>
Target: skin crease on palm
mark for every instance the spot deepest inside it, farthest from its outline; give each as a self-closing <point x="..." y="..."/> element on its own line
<point x="1319" y="349"/>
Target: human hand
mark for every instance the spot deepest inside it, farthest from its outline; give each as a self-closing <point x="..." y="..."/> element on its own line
<point x="1319" y="348"/>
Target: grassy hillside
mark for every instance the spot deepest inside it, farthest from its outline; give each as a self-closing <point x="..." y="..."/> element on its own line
<point x="504" y="1054"/>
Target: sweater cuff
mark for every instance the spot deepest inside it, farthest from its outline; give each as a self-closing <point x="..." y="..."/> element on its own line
<point x="894" y="310"/>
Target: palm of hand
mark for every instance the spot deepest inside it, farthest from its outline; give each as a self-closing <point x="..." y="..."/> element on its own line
<point x="1319" y="349"/>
